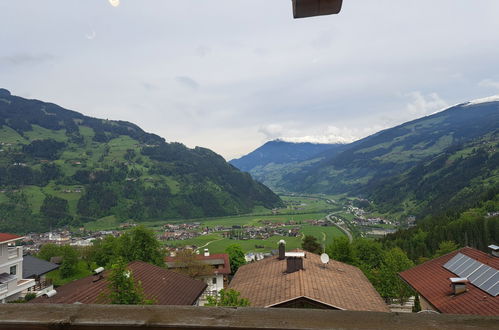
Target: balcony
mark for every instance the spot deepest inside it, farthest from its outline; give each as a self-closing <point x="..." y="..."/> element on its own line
<point x="4" y="287"/>
<point x="50" y="316"/>
<point x="15" y="252"/>
<point x="41" y="285"/>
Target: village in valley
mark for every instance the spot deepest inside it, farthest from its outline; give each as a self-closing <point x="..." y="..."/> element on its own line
<point x="257" y="234"/>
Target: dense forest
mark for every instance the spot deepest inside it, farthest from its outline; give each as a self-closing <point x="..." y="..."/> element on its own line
<point x="59" y="167"/>
<point x="477" y="227"/>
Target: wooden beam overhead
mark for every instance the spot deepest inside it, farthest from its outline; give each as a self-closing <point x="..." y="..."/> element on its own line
<point x="309" y="8"/>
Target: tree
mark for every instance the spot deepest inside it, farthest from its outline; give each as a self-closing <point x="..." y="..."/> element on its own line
<point x="228" y="298"/>
<point x="367" y="253"/>
<point x="389" y="285"/>
<point x="445" y="247"/>
<point x="48" y="251"/>
<point x="55" y="208"/>
<point x="310" y="244"/>
<point x="187" y="263"/>
<point x="69" y="261"/>
<point x="341" y="250"/>
<point x="236" y="257"/>
<point x="417" y="305"/>
<point x="123" y="288"/>
<point x="104" y="251"/>
<point x="140" y="243"/>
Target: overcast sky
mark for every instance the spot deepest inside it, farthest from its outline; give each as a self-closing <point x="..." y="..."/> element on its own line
<point x="231" y="74"/>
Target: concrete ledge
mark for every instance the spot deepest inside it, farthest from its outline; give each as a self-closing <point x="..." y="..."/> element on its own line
<point x="51" y="316"/>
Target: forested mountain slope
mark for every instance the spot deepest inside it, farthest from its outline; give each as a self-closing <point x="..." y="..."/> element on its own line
<point x="60" y="167"/>
<point x="274" y="159"/>
<point x="418" y="165"/>
<point x="281" y="152"/>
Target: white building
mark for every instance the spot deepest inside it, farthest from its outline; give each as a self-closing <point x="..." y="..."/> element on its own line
<point x="12" y="284"/>
<point x="216" y="280"/>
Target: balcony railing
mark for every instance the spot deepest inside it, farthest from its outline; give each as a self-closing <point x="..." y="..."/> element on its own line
<point x="80" y="316"/>
<point x="15" y="252"/>
<point x="40" y="285"/>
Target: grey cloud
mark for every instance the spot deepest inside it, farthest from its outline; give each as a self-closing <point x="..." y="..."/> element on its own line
<point x="187" y="81"/>
<point x="489" y="83"/>
<point x="27" y="59"/>
<point x="202" y="51"/>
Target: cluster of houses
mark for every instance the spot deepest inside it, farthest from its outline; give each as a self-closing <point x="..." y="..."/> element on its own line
<point x="371" y="221"/>
<point x="268" y="229"/>
<point x="34" y="241"/>
<point x="263" y="232"/>
<point x="465" y="281"/>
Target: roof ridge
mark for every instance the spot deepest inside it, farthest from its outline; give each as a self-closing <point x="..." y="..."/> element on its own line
<point x="301" y="282"/>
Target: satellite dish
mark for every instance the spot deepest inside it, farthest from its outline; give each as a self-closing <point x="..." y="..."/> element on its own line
<point x="324" y="258"/>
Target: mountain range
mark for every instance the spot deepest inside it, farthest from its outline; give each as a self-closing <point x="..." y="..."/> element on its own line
<point x="60" y="167"/>
<point x="419" y="166"/>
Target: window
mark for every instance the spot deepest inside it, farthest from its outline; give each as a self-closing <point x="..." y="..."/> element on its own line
<point x="214" y="280"/>
<point x="13" y="270"/>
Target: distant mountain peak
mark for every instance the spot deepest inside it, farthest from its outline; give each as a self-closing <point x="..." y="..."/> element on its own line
<point x="4" y="92"/>
<point x="493" y="98"/>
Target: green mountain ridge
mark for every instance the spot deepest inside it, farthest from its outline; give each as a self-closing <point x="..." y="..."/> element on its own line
<point x="419" y="167"/>
<point x="60" y="167"/>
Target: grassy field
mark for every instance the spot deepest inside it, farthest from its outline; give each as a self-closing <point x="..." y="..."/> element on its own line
<point x="82" y="271"/>
<point x="325" y="235"/>
<point x="106" y="223"/>
<point x="217" y="244"/>
<point x="250" y="245"/>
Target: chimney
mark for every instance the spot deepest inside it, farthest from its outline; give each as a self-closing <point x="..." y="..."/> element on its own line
<point x="294" y="261"/>
<point x="206" y="253"/>
<point x="282" y="249"/>
<point x="458" y="285"/>
<point x="98" y="274"/>
<point x="494" y="250"/>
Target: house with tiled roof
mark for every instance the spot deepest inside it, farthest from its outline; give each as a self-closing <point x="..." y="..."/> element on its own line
<point x="301" y="280"/>
<point x="12" y="284"/>
<point x="163" y="286"/>
<point x="218" y="277"/>
<point x="465" y="281"/>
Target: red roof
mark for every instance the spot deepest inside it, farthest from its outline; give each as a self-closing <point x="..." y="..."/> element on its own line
<point x="219" y="261"/>
<point x="162" y="285"/>
<point x="431" y="280"/>
<point x="8" y="237"/>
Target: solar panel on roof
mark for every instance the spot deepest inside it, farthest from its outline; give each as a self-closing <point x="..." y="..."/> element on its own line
<point x="494" y="290"/>
<point x="485" y="276"/>
<point x="488" y="284"/>
<point x="479" y="272"/>
<point x="463" y="266"/>
<point x="480" y="275"/>
<point x="454" y="262"/>
<point x="470" y="269"/>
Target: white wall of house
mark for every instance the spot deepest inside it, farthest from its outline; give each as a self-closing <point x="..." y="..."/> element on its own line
<point x="11" y="262"/>
<point x="215" y="282"/>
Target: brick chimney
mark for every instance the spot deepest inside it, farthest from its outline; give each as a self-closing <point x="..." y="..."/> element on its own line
<point x="282" y="249"/>
<point x="294" y="261"/>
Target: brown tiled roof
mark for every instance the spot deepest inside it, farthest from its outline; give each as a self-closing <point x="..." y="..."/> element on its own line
<point x="4" y="237"/>
<point x="213" y="259"/>
<point x="162" y="285"/>
<point x="338" y="285"/>
<point x="431" y="280"/>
